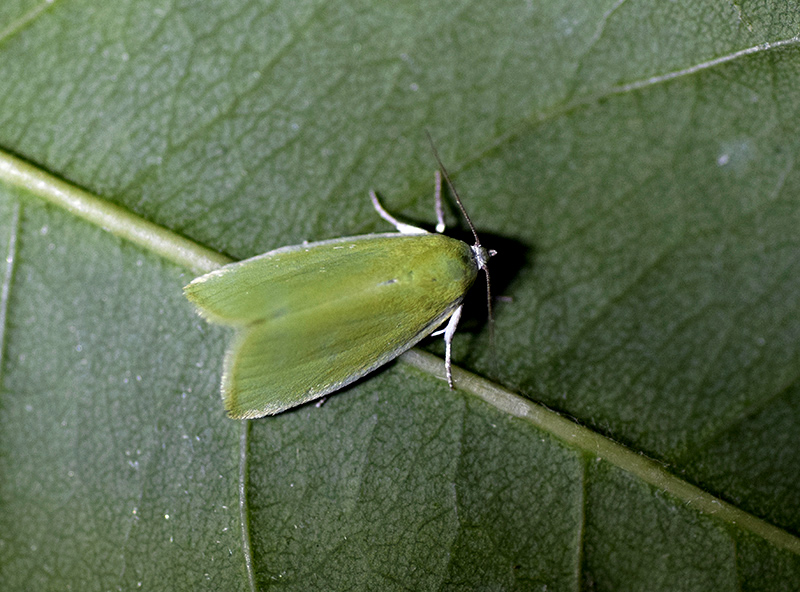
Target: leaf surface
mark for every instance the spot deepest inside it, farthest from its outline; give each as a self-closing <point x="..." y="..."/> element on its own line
<point x="634" y="163"/>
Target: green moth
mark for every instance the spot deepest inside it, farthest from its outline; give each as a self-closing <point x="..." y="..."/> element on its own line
<point x="315" y="317"/>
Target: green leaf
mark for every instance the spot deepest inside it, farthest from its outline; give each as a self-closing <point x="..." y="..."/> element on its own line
<point x="633" y="164"/>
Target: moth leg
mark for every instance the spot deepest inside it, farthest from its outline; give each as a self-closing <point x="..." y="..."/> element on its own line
<point x="437" y="200"/>
<point x="400" y="226"/>
<point x="449" y="332"/>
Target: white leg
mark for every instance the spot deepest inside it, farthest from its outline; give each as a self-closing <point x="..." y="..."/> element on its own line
<point x="400" y="226"/>
<point x="437" y="199"/>
<point x="449" y="332"/>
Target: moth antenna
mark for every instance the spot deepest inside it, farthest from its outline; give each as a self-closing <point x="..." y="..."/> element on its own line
<point x="478" y="249"/>
<point x="490" y="314"/>
<point x="453" y="190"/>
